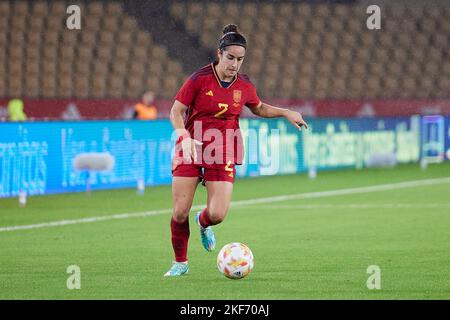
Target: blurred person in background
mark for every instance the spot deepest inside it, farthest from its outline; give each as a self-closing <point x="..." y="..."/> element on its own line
<point x="15" y="110"/>
<point x="146" y="109"/>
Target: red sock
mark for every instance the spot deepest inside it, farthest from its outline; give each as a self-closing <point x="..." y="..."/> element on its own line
<point x="180" y="237"/>
<point x="205" y="222"/>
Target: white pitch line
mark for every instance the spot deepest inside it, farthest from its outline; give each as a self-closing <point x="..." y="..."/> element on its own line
<point x="356" y="206"/>
<point x="308" y="195"/>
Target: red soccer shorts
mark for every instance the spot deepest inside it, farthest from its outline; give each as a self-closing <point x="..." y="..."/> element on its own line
<point x="216" y="172"/>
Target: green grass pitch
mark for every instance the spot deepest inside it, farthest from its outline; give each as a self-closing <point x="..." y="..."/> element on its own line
<point x="308" y="248"/>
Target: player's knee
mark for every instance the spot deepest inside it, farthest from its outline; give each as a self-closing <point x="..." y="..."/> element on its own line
<point x="180" y="214"/>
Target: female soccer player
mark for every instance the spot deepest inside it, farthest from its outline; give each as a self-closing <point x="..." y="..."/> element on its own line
<point x="211" y="100"/>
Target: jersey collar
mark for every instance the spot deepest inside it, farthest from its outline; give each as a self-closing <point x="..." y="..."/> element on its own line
<point x="218" y="79"/>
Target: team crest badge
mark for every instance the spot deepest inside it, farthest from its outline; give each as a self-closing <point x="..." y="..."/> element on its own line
<point x="237" y="94"/>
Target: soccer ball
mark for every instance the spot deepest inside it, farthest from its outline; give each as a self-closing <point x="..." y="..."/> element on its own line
<point x="235" y="260"/>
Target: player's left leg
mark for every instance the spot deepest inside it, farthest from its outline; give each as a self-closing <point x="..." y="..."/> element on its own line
<point x="219" y="185"/>
<point x="219" y="199"/>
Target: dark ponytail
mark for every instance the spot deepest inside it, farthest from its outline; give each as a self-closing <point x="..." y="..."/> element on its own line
<point x="231" y="36"/>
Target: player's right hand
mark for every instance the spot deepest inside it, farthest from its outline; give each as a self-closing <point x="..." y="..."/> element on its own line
<point x="189" y="149"/>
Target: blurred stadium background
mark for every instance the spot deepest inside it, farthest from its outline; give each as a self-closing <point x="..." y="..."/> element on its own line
<point x="373" y="98"/>
<point x="299" y="50"/>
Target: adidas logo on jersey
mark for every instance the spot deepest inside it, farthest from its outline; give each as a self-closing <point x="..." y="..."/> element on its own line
<point x="210" y="93"/>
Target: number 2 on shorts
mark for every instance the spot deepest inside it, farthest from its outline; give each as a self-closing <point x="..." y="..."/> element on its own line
<point x="227" y="168"/>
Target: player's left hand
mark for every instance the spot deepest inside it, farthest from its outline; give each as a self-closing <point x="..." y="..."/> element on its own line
<point x="296" y="119"/>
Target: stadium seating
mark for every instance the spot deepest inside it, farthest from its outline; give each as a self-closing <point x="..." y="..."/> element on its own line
<point x="297" y="50"/>
<point x="304" y="50"/>
<point x="109" y="57"/>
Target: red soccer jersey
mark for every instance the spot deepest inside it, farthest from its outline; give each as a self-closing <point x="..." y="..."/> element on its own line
<point x="212" y="106"/>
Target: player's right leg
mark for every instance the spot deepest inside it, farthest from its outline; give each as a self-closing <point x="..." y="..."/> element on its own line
<point x="183" y="191"/>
